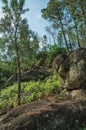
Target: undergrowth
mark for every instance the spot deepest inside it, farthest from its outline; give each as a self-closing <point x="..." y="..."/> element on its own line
<point x="30" y="91"/>
<point x="83" y="129"/>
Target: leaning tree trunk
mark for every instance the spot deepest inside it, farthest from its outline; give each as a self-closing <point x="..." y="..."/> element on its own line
<point x="63" y="32"/>
<point x="76" y="29"/>
<point x="77" y="36"/>
<point x="83" y="14"/>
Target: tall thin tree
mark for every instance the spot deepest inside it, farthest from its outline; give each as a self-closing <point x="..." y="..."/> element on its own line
<point x="54" y="12"/>
<point x="10" y="27"/>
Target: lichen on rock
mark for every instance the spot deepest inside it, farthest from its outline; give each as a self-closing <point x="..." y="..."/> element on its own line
<point x="72" y="69"/>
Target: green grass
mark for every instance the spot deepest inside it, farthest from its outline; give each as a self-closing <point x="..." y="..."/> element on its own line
<point x="30" y="91"/>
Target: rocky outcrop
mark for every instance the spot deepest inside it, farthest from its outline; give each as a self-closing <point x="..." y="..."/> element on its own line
<point x="67" y="112"/>
<point x="46" y="115"/>
<point x="72" y="69"/>
<point x="35" y="73"/>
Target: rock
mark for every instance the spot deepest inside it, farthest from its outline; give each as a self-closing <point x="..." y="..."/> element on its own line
<point x="74" y="95"/>
<point x="61" y="65"/>
<point x="79" y="94"/>
<point x="35" y="73"/>
<point x="72" y="69"/>
<point x="46" y="115"/>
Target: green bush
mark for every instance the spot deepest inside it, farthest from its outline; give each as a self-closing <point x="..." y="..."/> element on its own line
<point x="30" y="91"/>
<point x="41" y="57"/>
<point x="49" y="55"/>
<point x="83" y="129"/>
<point x="5" y="72"/>
<point x="54" y="51"/>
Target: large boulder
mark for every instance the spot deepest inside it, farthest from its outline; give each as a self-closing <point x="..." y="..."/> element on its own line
<point x="46" y="115"/>
<point x="72" y="69"/>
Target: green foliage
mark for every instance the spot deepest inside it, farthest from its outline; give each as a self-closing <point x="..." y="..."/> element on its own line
<point x="54" y="13"/>
<point x="30" y="91"/>
<point x="8" y="96"/>
<point x="5" y="73"/>
<point x="83" y="129"/>
<point x="68" y="17"/>
<point x="53" y="52"/>
<point x="10" y="27"/>
<point x="46" y="57"/>
<point x="41" y="57"/>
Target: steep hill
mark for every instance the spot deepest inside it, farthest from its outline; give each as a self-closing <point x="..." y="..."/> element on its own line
<point x="64" y="110"/>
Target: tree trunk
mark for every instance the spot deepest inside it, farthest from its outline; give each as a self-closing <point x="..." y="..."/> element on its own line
<point x="19" y="79"/>
<point x="18" y="68"/>
<point x="63" y="32"/>
<point x="83" y="16"/>
<point x="64" y="37"/>
<point x="77" y="36"/>
<point x="53" y="38"/>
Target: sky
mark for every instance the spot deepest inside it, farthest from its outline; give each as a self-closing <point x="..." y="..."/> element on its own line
<point x="35" y="21"/>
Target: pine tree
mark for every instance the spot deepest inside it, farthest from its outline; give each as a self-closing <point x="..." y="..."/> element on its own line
<point x="54" y="12"/>
<point x="10" y="25"/>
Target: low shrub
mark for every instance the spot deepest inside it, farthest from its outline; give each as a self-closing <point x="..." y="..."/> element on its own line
<point x="30" y="91"/>
<point x="83" y="129"/>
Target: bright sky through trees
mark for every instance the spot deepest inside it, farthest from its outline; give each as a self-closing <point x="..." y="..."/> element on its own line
<point x="36" y="22"/>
